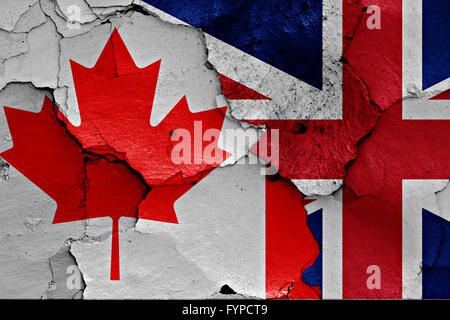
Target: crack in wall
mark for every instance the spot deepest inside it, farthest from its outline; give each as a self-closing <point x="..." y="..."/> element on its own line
<point x="67" y="280"/>
<point x="4" y="170"/>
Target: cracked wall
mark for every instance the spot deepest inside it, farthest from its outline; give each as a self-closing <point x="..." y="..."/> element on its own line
<point x="30" y="73"/>
<point x="321" y="159"/>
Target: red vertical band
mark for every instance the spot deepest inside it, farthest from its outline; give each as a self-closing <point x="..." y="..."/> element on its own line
<point x="372" y="225"/>
<point x="115" y="259"/>
<point x="290" y="246"/>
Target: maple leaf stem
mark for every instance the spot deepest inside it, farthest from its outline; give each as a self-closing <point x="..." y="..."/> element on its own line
<point x="115" y="260"/>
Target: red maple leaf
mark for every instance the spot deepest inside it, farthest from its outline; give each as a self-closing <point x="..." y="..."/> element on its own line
<point x="114" y="164"/>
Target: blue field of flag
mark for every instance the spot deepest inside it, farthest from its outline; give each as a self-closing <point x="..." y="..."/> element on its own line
<point x="284" y="34"/>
